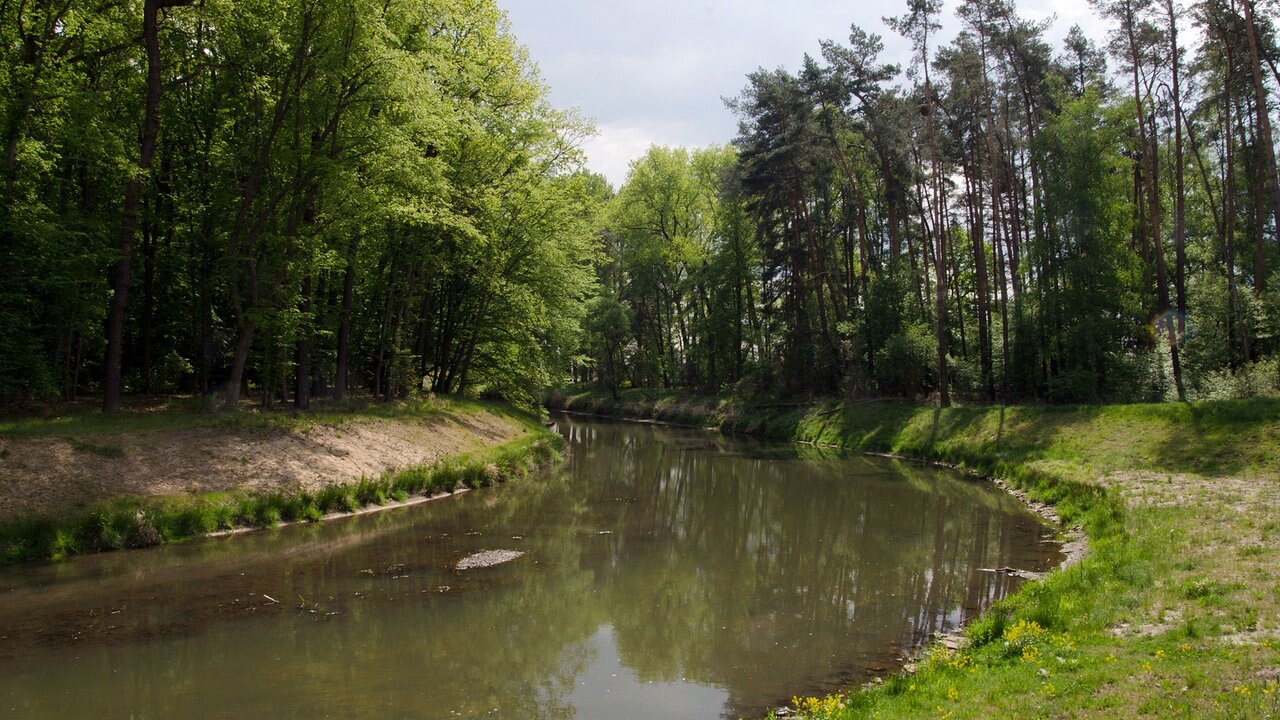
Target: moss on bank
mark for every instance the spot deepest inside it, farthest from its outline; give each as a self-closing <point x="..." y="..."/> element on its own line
<point x="143" y="522"/>
<point x="1174" y="611"/>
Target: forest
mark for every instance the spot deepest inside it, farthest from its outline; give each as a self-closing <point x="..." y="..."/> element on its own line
<point x="290" y="199"/>
<point x="312" y="198"/>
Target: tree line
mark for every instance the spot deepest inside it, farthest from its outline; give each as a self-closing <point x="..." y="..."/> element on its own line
<point x="314" y="197"/>
<point x="289" y="198"/>
<point x="999" y="220"/>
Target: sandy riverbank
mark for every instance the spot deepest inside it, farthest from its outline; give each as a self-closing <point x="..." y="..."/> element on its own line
<point x="59" y="474"/>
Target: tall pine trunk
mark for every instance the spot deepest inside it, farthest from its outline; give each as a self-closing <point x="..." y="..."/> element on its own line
<point x="1264" y="143"/>
<point x="1176" y="332"/>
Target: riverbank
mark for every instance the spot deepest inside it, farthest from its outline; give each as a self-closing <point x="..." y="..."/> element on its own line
<point x="83" y="482"/>
<point x="1175" y="610"/>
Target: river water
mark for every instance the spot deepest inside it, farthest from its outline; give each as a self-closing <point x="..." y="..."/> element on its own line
<point x="658" y="573"/>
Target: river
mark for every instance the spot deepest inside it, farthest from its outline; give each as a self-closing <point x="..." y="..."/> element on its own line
<point x="659" y="573"/>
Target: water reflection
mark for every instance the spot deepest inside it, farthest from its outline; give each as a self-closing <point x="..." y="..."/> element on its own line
<point x="665" y="573"/>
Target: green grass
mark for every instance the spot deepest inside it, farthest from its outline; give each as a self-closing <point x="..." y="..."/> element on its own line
<point x="1174" y="611"/>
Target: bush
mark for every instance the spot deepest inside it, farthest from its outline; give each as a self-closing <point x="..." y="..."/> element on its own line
<point x="1074" y="387"/>
<point x="905" y="365"/>
<point x="1258" y="379"/>
<point x="199" y="519"/>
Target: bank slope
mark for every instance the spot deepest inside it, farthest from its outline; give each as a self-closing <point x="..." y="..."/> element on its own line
<point x="86" y="482"/>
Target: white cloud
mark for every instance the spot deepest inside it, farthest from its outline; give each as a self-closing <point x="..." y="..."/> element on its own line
<point x="655" y="72"/>
<point x="611" y="151"/>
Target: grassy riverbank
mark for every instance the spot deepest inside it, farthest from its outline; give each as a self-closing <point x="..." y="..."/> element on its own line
<point x="1175" y="610"/>
<point x="249" y="455"/>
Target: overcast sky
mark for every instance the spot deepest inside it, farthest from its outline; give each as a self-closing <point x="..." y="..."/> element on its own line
<point x="655" y="72"/>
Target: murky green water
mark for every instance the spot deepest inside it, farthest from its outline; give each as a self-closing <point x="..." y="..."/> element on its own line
<point x="665" y="573"/>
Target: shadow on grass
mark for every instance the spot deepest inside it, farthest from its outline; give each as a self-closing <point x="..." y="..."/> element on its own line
<point x="1222" y="438"/>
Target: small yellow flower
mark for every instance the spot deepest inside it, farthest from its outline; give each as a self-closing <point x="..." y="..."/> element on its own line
<point x="1024" y="630"/>
<point x="819" y="707"/>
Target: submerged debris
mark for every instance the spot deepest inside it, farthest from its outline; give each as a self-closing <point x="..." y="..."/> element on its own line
<point x="1014" y="572"/>
<point x="487" y="558"/>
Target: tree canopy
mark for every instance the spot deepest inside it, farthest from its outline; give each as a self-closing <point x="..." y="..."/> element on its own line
<point x="295" y="197"/>
<point x="1000" y="221"/>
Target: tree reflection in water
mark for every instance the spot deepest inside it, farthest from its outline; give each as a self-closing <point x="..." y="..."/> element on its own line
<point x="667" y="573"/>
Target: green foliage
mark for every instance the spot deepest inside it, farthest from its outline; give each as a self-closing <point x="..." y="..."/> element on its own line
<point x="905" y="364"/>
<point x="301" y="144"/>
<point x="679" y="257"/>
<point x="370" y="492"/>
<point x="339" y="198"/>
<point x="1059" y="239"/>
<point x="337" y="499"/>
<point x="1260" y="379"/>
<point x="1087" y="309"/>
<point x="608" y="331"/>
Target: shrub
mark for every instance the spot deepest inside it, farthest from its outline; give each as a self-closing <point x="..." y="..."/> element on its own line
<point x="1259" y="379"/>
<point x="1073" y="387"/>
<point x="905" y="365"/>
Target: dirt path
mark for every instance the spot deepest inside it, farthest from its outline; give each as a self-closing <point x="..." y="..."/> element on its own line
<point x="54" y="475"/>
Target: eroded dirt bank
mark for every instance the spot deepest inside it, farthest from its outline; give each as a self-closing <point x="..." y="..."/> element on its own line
<point x="52" y="475"/>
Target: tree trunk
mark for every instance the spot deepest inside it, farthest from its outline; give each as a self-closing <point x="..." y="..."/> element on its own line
<point x="1236" y="324"/>
<point x="129" y="210"/>
<point x="302" y="351"/>
<point x="244" y="341"/>
<point x="1178" y="327"/>
<point x="1266" y="148"/>
<point x="148" y="305"/>
<point x="940" y="264"/>
<point x="344" y="324"/>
